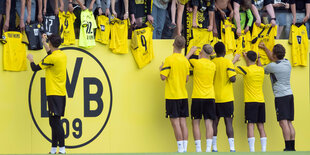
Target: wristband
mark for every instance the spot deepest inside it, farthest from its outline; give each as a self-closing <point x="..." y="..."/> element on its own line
<point x="273" y="19"/>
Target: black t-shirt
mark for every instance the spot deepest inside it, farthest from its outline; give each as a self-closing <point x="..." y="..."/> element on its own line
<point x="33" y="32"/>
<point x="258" y="3"/>
<point x="51" y="24"/>
<point x="300" y="4"/>
<point x="204" y="6"/>
<point x="280" y="1"/>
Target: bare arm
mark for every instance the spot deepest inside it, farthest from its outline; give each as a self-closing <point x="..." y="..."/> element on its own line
<point x="44" y="7"/>
<point x="7" y="15"/>
<point x="191" y="52"/>
<point x="91" y="5"/>
<point x="40" y="7"/>
<point x="56" y="11"/>
<point x="28" y="11"/>
<point x="113" y="8"/>
<point x="237" y="17"/>
<point x="307" y="13"/>
<point x="22" y="15"/>
<point x="267" y="51"/>
<point x="126" y="14"/>
<point x="211" y="18"/>
<point x="194" y="16"/>
<point x="256" y="14"/>
<point x="62" y="6"/>
<point x="271" y="13"/>
<point x="162" y="77"/>
<point x="293" y="9"/>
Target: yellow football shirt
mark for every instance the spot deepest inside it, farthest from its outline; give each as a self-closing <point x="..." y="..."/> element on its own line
<point x="88" y="24"/>
<point x="228" y="35"/>
<point x="119" y="35"/>
<point x="253" y="77"/>
<point x="200" y="37"/>
<point x="243" y="43"/>
<point x="204" y="72"/>
<point x="142" y="45"/>
<point x="14" y="51"/>
<point x="55" y="72"/>
<point x="266" y="34"/>
<point x="222" y="86"/>
<point x="103" y="30"/>
<point x="66" y="27"/>
<point x="176" y="69"/>
<point x="299" y="40"/>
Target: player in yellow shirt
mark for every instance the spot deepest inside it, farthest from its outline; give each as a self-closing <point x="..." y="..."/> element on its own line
<point x="175" y="71"/>
<point x="203" y="98"/>
<point x="253" y="76"/>
<point x="55" y="64"/>
<point x="224" y="95"/>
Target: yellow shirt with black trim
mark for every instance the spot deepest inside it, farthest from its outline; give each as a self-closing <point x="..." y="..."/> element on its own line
<point x="142" y="45"/>
<point x="199" y="37"/>
<point x="299" y="40"/>
<point x="66" y="27"/>
<point x="222" y="85"/>
<point x="228" y="35"/>
<point x="14" y="51"/>
<point x="119" y="35"/>
<point x="103" y="29"/>
<point x="204" y="72"/>
<point x="88" y="24"/>
<point x="176" y="69"/>
<point x="243" y="43"/>
<point x="55" y="73"/>
<point x="266" y="34"/>
<point x="253" y="77"/>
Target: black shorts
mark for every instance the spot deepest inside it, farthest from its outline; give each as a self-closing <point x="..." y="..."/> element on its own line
<point x="56" y="105"/>
<point x="285" y="107"/>
<point x="2" y="7"/>
<point x="255" y="112"/>
<point x="205" y="107"/>
<point x="225" y="109"/>
<point x="176" y="108"/>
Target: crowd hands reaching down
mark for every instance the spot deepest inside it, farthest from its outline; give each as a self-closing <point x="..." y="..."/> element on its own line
<point x="169" y="17"/>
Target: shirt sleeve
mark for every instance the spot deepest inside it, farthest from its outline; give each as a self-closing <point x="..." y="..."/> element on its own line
<point x="241" y="70"/>
<point x="267" y="2"/>
<point x="211" y="6"/>
<point x="166" y="68"/>
<point x="149" y="4"/>
<point x="269" y="68"/>
<point x="193" y="61"/>
<point x="46" y="62"/>
<point x="292" y="1"/>
<point x="230" y="70"/>
<point x="250" y="17"/>
<point x="132" y="7"/>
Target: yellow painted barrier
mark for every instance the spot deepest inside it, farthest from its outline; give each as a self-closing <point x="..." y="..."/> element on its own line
<point x="114" y="107"/>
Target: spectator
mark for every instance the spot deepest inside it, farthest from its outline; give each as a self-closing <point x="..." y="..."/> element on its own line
<point x="223" y="10"/>
<point x="207" y="9"/>
<point x="257" y="6"/>
<point x="10" y="15"/>
<point x="76" y="6"/>
<point x="138" y="10"/>
<point x="301" y="11"/>
<point x="158" y="13"/>
<point x="102" y="6"/>
<point x="120" y="9"/>
<point x="281" y="7"/>
<point x="29" y="14"/>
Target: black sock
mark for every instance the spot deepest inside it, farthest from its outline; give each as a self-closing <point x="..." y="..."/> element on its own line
<point x="293" y="145"/>
<point x="287" y="145"/>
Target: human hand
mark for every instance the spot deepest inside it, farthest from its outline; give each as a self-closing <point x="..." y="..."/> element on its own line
<point x="273" y="23"/>
<point x="6" y="25"/>
<point x="238" y="32"/>
<point x="258" y="22"/>
<point x="215" y="33"/>
<point x="30" y="57"/>
<point x="305" y="19"/>
<point x="107" y="12"/>
<point x="40" y="18"/>
<point x="70" y="7"/>
<point x="114" y="13"/>
<point x="21" y="25"/>
<point x="150" y="18"/>
<point x="223" y="14"/>
<point x="44" y="37"/>
<point x="262" y="45"/>
<point x="231" y="15"/>
<point x="210" y="28"/>
<point x="247" y="28"/>
<point x="28" y="19"/>
<point x="294" y="21"/>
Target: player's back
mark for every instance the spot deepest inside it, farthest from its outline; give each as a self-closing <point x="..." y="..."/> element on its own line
<point x="222" y="84"/>
<point x="176" y="79"/>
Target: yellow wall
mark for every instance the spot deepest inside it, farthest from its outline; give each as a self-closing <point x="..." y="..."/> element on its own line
<point x="137" y="122"/>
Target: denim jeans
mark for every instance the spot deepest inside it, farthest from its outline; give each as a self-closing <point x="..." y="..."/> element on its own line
<point x="299" y="19"/>
<point x="159" y="16"/>
<point x="33" y="9"/>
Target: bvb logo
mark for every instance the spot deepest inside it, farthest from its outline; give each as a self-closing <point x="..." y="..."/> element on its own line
<point x="88" y="100"/>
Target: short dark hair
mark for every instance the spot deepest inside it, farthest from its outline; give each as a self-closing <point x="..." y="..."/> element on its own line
<point x="55" y="40"/>
<point x="279" y="51"/>
<point x="220" y="49"/>
<point x="246" y="4"/>
<point x="207" y="49"/>
<point x="179" y="42"/>
<point x="251" y="56"/>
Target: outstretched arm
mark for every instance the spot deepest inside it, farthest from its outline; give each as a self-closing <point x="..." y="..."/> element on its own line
<point x="267" y="51"/>
<point x="191" y="52"/>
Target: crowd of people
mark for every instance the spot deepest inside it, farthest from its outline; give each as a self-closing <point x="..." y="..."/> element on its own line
<point x="168" y="17"/>
<point x="213" y="95"/>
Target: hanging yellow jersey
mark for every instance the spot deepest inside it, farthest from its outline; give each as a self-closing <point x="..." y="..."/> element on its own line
<point x="142" y="45"/>
<point x="14" y="51"/>
<point x="199" y="37"/>
<point x="103" y="29"/>
<point x="299" y="40"/>
<point x="266" y="34"/>
<point x="88" y="24"/>
<point x="228" y="35"/>
<point x="119" y="35"/>
<point x="243" y="43"/>
<point x="66" y="27"/>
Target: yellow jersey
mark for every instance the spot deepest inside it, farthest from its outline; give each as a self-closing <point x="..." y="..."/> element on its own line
<point x="14" y="51"/>
<point x="253" y="77"/>
<point x="88" y="24"/>
<point x="266" y="34"/>
<point x="66" y="27"/>
<point x="204" y="72"/>
<point x="222" y="86"/>
<point x="103" y="29"/>
<point x="243" y="43"/>
<point x="142" y="45"/>
<point x="176" y="69"/>
<point x="183" y="2"/>
<point x="119" y="35"/>
<point x="228" y="35"/>
<point x="55" y="66"/>
<point x="299" y="40"/>
<point x="199" y="37"/>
